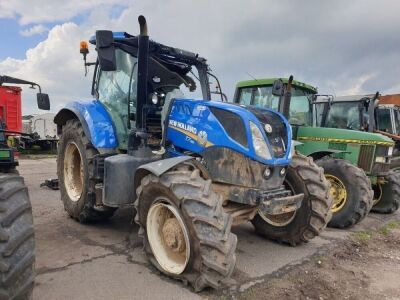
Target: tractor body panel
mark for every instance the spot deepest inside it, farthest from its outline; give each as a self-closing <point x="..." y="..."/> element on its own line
<point x="95" y="120"/>
<point x="360" y="148"/>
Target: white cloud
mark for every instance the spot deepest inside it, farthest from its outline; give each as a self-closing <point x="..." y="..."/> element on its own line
<point x="336" y="46"/>
<point x="37" y="29"/>
<point x="34" y="11"/>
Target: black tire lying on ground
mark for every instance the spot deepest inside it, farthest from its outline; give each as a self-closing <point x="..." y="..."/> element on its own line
<point x="212" y="245"/>
<point x="78" y="191"/>
<point x="357" y="189"/>
<point x="17" y="245"/>
<point x="303" y="176"/>
<point x="390" y="200"/>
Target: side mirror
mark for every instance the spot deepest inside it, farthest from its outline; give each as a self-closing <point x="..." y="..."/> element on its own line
<point x="106" y="50"/>
<point x="278" y="88"/>
<point x="43" y="101"/>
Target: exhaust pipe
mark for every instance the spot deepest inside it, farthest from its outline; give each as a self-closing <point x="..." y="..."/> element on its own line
<point x="287" y="97"/>
<point x="143" y="57"/>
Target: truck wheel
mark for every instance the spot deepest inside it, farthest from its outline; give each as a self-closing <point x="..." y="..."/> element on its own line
<point x="389" y="199"/>
<point x="187" y="235"/>
<point x="303" y="176"/>
<point x="17" y="244"/>
<point x="74" y="166"/>
<point x="351" y="191"/>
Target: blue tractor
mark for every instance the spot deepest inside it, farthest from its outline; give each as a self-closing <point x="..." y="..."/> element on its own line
<point x="191" y="168"/>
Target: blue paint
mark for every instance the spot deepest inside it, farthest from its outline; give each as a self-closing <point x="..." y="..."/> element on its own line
<point x="197" y="115"/>
<point x="97" y="121"/>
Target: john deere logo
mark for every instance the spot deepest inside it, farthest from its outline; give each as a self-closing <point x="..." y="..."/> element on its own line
<point x="202" y="137"/>
<point x="268" y="128"/>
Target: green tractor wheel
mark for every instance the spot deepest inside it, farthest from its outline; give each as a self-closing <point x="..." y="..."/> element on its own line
<point x="303" y="176"/>
<point x="186" y="233"/>
<point x="351" y="192"/>
<point x="388" y="196"/>
<point x="74" y="166"/>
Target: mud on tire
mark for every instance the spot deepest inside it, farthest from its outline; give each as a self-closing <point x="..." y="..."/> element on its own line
<point x="17" y="245"/>
<point x="303" y="176"/>
<point x="82" y="207"/>
<point x="358" y="188"/>
<point x="390" y="201"/>
<point x="212" y="245"/>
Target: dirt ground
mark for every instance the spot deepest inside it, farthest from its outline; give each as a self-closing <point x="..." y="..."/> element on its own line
<point x="365" y="266"/>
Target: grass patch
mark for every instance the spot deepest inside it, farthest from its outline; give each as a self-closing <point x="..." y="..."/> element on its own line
<point x="385" y="230"/>
<point x="362" y="236"/>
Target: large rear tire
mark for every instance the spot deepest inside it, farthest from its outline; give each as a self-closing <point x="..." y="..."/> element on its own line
<point x="303" y="176"/>
<point x="17" y="245"/>
<point x="194" y="243"/>
<point x="74" y="167"/>
<point x="389" y="200"/>
<point x="351" y="191"/>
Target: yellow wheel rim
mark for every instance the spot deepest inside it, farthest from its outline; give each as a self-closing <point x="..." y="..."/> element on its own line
<point x="377" y="193"/>
<point x="338" y="192"/>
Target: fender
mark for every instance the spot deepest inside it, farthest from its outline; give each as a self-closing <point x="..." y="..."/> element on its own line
<point x="96" y="122"/>
<point x="320" y="154"/>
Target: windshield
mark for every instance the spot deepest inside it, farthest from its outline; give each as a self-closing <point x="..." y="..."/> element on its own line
<point x="261" y="96"/>
<point x="384" y="120"/>
<point x="346" y="115"/>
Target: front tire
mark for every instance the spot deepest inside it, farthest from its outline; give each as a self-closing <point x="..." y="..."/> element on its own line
<point x="17" y="244"/>
<point x="389" y="201"/>
<point x="203" y="245"/>
<point x="303" y="176"/>
<point x="74" y="167"/>
<point x="351" y="191"/>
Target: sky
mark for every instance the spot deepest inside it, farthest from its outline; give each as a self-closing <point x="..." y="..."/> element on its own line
<point x="342" y="47"/>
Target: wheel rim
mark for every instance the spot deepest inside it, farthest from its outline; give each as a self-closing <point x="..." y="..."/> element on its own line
<point x="168" y="237"/>
<point x="377" y="193"/>
<point x="73" y="172"/>
<point x="338" y="192"/>
<point x="281" y="219"/>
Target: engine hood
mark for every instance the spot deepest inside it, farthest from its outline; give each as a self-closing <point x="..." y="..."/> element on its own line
<point x="342" y="135"/>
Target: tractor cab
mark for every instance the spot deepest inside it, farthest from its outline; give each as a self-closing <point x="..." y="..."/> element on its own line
<point x="347" y="112"/>
<point x="263" y="95"/>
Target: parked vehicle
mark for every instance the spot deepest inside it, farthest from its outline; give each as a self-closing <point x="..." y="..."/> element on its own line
<point x="354" y="162"/>
<point x="362" y="112"/>
<point x="191" y="168"/>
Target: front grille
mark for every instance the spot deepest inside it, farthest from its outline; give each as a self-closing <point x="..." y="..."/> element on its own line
<point x="278" y="138"/>
<point x="365" y="160"/>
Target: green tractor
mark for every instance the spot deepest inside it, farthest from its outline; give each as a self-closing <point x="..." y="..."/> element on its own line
<point x="354" y="162"/>
<point x="363" y="113"/>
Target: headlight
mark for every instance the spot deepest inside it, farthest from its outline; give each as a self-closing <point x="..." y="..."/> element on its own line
<point x="259" y="144"/>
<point x="380" y="159"/>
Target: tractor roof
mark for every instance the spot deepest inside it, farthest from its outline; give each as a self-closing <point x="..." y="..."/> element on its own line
<point x="351" y="98"/>
<point x="270" y="81"/>
<point x="169" y="56"/>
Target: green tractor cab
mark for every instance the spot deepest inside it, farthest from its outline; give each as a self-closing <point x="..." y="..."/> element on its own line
<point x="354" y="161"/>
<point x="362" y="113"/>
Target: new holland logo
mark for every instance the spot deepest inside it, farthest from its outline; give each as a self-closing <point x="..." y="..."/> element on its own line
<point x="183" y="126"/>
